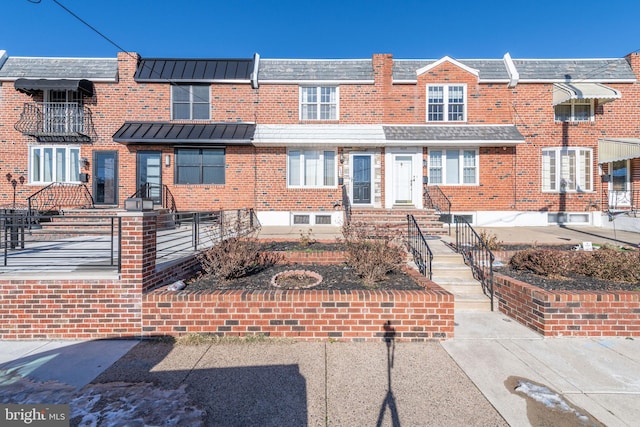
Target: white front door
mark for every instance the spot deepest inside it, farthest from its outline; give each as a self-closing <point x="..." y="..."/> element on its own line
<point x="403" y="179"/>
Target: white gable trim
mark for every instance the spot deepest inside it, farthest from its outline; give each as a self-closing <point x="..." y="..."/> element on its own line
<point x="451" y="60"/>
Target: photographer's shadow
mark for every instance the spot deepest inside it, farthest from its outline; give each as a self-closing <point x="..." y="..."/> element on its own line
<point x="389" y="400"/>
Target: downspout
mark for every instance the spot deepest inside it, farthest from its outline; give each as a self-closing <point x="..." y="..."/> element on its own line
<point x="254" y="74"/>
<point x="514" y="76"/>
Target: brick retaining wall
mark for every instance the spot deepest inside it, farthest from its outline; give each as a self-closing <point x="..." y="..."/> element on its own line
<point x="569" y="313"/>
<point x="303" y="314"/>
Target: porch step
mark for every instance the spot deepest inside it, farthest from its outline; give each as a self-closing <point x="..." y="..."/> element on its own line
<point x="395" y="220"/>
<point x="452" y="274"/>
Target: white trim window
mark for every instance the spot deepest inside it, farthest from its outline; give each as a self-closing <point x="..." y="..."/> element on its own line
<point x="453" y="166"/>
<point x="319" y="103"/>
<point x="576" y="110"/>
<point x="446" y="103"/>
<point x="190" y="102"/>
<point x="311" y="168"/>
<point x="567" y="169"/>
<point x="57" y="163"/>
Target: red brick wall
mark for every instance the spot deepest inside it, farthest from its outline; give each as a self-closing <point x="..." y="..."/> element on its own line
<point x="562" y="313"/>
<point x="306" y="315"/>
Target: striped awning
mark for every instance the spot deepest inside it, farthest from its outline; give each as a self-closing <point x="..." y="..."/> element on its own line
<point x="612" y="150"/>
<point x="563" y="92"/>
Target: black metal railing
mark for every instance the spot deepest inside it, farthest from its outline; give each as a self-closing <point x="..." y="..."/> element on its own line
<point x="434" y="198"/>
<point x="180" y="234"/>
<point x="66" y="242"/>
<point x="55" y="197"/>
<point x="160" y="194"/>
<point x="422" y="255"/>
<point x="476" y="254"/>
<point x="56" y="121"/>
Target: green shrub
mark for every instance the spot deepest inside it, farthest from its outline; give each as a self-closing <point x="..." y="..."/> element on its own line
<point x="236" y="257"/>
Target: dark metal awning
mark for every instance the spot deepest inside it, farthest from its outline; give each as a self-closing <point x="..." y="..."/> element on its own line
<point x="185" y="133"/>
<point x="30" y="86"/>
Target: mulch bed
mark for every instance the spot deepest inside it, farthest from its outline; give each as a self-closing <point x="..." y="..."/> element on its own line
<point x="334" y="277"/>
<point x="559" y="282"/>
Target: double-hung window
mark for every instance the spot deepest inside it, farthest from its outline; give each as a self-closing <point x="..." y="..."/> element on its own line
<point x="190" y="102"/>
<point x="577" y="110"/>
<point x="54" y="164"/>
<point x="453" y="167"/>
<point x="446" y="103"/>
<point x="311" y="168"/>
<point x="319" y="103"/>
<point x="200" y="166"/>
<point x="567" y="169"/>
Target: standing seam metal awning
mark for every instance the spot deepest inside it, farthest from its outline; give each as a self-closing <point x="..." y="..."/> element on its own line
<point x="612" y="150"/>
<point x="30" y="86"/>
<point x="563" y="92"/>
<point x="185" y="133"/>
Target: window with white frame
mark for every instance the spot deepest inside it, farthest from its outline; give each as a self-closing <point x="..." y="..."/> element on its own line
<point x="319" y="103"/>
<point x="567" y="169"/>
<point x="200" y="166"/>
<point x="577" y="110"/>
<point x="446" y="103"/>
<point x="311" y="168"/>
<point x="453" y="166"/>
<point x="190" y="102"/>
<point x="49" y="164"/>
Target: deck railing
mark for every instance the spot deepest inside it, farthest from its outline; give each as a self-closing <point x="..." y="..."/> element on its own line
<point x="67" y="241"/>
<point x="422" y="255"/>
<point x="183" y="233"/>
<point x="476" y="254"/>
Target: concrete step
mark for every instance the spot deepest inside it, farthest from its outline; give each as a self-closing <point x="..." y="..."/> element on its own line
<point x="472" y="303"/>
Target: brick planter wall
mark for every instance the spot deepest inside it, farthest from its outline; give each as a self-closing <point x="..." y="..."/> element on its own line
<point x="69" y="309"/>
<point x="303" y="314"/>
<point x="564" y="313"/>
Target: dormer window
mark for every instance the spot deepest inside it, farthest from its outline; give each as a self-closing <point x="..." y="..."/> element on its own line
<point x="319" y="103"/>
<point x="446" y="103"/>
<point x="190" y="102"/>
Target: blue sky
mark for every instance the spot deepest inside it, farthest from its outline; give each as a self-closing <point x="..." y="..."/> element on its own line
<point x="322" y="29"/>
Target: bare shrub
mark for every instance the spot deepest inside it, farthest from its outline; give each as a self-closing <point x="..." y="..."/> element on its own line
<point x="545" y="262"/>
<point x="372" y="252"/>
<point x="236" y="257"/>
<point x="490" y="240"/>
<point x="607" y="263"/>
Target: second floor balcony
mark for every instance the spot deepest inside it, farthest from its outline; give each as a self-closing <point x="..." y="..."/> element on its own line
<point x="56" y="121"/>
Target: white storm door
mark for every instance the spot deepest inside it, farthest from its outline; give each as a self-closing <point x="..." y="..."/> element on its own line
<point x="402" y="179"/>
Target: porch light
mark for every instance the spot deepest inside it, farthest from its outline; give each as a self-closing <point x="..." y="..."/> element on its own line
<point x="167" y="160"/>
<point x="138" y="204"/>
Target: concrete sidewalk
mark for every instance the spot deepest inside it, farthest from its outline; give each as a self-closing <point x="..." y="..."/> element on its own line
<point x="463" y="381"/>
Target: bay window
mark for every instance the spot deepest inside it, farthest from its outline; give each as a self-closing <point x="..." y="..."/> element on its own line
<point x="311" y="168"/>
<point x="567" y="169"/>
<point x="49" y="164"/>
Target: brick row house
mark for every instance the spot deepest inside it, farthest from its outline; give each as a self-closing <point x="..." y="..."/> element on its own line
<point x="508" y="142"/>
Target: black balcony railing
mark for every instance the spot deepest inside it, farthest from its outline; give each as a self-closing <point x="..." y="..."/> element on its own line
<point x="56" y="121"/>
<point x="160" y="194"/>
